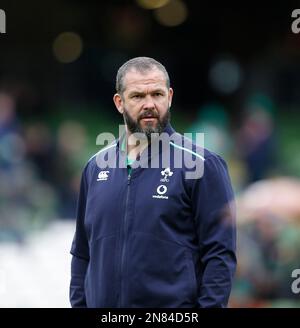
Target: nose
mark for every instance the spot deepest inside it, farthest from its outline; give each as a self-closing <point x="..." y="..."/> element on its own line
<point x="148" y="102"/>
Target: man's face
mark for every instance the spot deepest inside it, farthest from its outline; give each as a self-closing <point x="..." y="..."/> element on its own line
<point x="145" y="101"/>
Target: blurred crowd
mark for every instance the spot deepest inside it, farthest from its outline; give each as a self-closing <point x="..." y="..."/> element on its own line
<point x="40" y="170"/>
<point x="268" y="207"/>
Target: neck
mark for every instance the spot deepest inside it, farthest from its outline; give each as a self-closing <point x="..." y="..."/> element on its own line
<point x="135" y="146"/>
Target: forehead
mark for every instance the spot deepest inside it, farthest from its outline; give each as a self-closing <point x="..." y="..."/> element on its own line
<point x="136" y="80"/>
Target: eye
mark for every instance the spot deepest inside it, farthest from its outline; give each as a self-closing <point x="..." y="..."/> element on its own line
<point x="158" y="94"/>
<point x="136" y="96"/>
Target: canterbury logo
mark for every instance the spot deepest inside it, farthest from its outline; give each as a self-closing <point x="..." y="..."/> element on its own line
<point x="103" y="175"/>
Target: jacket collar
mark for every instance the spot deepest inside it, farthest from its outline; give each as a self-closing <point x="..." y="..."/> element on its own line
<point x="147" y="154"/>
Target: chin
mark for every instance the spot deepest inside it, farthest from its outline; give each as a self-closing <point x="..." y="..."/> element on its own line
<point x="150" y="124"/>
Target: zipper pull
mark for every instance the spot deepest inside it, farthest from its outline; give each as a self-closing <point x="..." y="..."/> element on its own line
<point x="128" y="179"/>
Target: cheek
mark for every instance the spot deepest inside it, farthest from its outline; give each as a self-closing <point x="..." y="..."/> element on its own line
<point x="163" y="103"/>
<point x="132" y="110"/>
<point x="163" y="106"/>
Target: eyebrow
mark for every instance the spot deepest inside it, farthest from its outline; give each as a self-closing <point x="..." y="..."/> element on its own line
<point x="135" y="92"/>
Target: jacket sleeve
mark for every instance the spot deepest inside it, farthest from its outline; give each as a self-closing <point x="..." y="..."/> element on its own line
<point x="214" y="210"/>
<point x="79" y="250"/>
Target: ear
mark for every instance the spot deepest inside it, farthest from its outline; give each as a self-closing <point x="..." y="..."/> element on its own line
<point x="170" y="96"/>
<point x="118" y="102"/>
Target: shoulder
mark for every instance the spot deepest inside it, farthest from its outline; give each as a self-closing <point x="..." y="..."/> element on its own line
<point x="196" y="158"/>
<point x="186" y="144"/>
<point x="182" y="144"/>
<point x="103" y="152"/>
<point x="93" y="163"/>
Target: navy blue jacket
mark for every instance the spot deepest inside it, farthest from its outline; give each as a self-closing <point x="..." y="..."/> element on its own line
<point x="151" y="239"/>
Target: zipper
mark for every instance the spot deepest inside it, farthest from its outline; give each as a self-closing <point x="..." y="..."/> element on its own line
<point x="122" y="302"/>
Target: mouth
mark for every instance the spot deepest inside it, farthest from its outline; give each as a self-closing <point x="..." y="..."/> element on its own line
<point x="148" y="119"/>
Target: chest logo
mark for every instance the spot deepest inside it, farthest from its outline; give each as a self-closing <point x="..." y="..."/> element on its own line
<point x="166" y="173"/>
<point x="103" y="175"/>
<point x="161" y="190"/>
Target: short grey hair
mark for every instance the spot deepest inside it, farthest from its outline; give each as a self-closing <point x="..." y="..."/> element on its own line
<point x="142" y="65"/>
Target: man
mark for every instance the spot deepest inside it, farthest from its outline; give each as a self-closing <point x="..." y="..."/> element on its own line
<point x="150" y="236"/>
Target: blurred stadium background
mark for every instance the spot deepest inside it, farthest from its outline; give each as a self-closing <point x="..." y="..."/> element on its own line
<point x="236" y="76"/>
